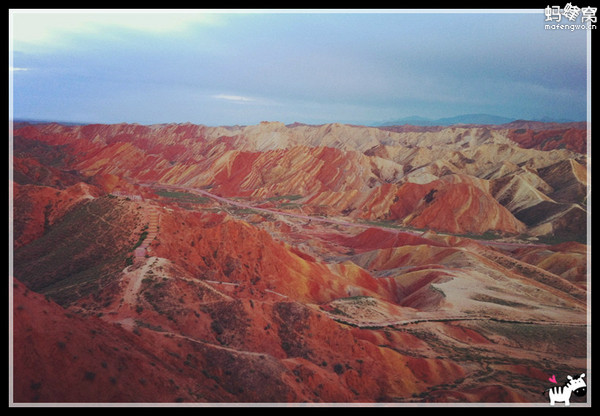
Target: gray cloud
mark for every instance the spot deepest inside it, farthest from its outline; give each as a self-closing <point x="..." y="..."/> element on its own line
<point x="352" y="66"/>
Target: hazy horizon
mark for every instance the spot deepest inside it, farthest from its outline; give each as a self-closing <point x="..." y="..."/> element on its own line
<point x="410" y="120"/>
<point x="223" y="68"/>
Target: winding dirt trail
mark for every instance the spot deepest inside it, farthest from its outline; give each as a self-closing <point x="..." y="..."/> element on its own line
<point x="331" y="220"/>
<point x="133" y="285"/>
<point x="407" y="322"/>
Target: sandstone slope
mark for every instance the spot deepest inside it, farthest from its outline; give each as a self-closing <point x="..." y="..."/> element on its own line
<point x="290" y="264"/>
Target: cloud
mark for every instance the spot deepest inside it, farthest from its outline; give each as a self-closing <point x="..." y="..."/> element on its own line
<point x="294" y="66"/>
<point x="234" y="98"/>
<point x="13" y="69"/>
<point x="45" y="27"/>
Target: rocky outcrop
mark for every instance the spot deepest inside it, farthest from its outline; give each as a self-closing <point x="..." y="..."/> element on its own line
<point x="456" y="204"/>
<point x="572" y="136"/>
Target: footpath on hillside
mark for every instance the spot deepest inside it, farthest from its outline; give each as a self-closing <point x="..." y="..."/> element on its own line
<point x="152" y="217"/>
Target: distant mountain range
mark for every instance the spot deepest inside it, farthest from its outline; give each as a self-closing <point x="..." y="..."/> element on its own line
<point x="461" y="119"/>
<point x="473" y="119"/>
<point x="40" y="121"/>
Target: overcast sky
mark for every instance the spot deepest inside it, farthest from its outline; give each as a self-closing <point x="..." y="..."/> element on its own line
<point x="312" y="67"/>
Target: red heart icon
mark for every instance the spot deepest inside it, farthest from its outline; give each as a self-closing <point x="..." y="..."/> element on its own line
<point x="552" y="379"/>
